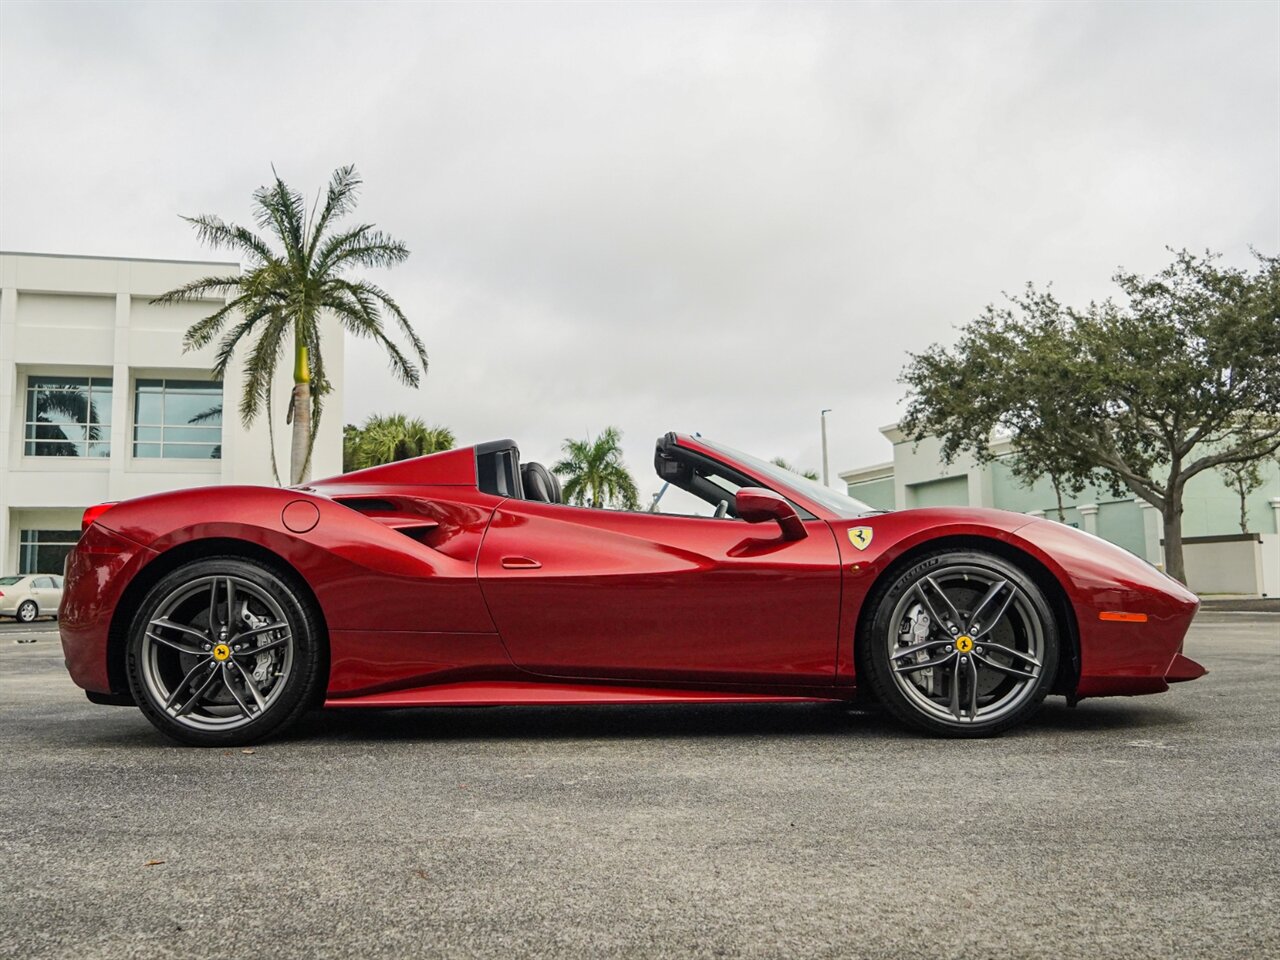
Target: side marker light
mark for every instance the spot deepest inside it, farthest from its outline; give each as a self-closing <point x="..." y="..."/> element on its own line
<point x="1121" y="616"/>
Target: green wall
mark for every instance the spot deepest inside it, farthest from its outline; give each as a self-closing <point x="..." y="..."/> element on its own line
<point x="1210" y="508"/>
<point x="874" y="493"/>
<point x="947" y="492"/>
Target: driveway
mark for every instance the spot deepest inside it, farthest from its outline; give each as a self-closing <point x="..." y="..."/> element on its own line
<point x="1122" y="828"/>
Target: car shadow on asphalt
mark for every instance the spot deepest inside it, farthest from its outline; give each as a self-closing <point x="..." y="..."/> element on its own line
<point x="661" y="721"/>
<point x="126" y="728"/>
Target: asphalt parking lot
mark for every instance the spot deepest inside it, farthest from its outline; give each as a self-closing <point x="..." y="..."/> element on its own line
<point x="1123" y="828"/>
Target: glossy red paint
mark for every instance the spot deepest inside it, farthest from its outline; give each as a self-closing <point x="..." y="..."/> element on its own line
<point x="435" y="592"/>
<point x="757" y="505"/>
<point x="641" y="596"/>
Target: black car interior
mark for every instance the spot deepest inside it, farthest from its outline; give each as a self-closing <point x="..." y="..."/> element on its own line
<point x="499" y="472"/>
<point x="540" y="483"/>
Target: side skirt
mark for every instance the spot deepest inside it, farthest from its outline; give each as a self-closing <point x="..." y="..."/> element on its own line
<point x="482" y="693"/>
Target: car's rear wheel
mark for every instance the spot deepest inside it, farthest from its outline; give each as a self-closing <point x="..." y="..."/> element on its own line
<point x="224" y="651"/>
<point x="28" y="611"/>
<point x="962" y="643"/>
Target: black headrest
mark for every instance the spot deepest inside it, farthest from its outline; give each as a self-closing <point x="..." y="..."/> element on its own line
<point x="539" y="483"/>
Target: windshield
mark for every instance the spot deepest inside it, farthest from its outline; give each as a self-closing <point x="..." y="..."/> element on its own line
<point x="9" y="581"/>
<point x="842" y="505"/>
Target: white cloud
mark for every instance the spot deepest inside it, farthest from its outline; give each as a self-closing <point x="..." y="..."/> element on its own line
<point x="711" y="217"/>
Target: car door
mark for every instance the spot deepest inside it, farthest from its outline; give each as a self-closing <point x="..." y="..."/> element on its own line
<point x="578" y="592"/>
<point x="43" y="593"/>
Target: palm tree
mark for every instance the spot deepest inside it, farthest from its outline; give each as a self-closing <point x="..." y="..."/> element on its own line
<point x="807" y="474"/>
<point x="390" y="437"/>
<point x="282" y="295"/>
<point x="595" y="474"/>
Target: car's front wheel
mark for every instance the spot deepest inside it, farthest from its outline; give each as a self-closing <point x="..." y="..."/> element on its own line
<point x="224" y="651"/>
<point x="28" y="611"/>
<point x="962" y="643"/>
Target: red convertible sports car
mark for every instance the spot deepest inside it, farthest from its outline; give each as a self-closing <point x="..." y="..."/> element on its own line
<point x="461" y="579"/>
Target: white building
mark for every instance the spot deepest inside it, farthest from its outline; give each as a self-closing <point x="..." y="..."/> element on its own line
<point x="99" y="402"/>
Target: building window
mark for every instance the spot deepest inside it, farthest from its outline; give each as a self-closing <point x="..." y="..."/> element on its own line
<point x="68" y="417"/>
<point x="44" y="551"/>
<point x="177" y="419"/>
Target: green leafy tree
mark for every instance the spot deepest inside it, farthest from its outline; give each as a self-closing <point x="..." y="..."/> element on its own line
<point x="390" y="437"/>
<point x="807" y="474"/>
<point x="350" y="441"/>
<point x="286" y="288"/>
<point x="595" y="474"/>
<point x="1242" y="479"/>
<point x="1181" y="377"/>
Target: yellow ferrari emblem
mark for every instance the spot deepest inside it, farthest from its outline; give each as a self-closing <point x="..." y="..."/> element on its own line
<point x="860" y="537"/>
<point x="221" y="652"/>
<point x="964" y="643"/>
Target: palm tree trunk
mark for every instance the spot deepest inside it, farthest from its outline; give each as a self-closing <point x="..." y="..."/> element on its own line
<point x="299" y="462"/>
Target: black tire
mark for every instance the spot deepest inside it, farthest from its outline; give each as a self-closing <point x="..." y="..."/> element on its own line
<point x="299" y="648"/>
<point x="933" y="680"/>
<point x="27" y="612"/>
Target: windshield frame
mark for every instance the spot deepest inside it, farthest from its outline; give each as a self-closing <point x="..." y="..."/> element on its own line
<point x="841" y="505"/>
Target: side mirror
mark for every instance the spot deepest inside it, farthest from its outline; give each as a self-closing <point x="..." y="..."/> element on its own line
<point x="758" y="505"/>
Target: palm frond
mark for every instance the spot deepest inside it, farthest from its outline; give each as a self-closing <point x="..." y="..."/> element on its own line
<point x="282" y="210"/>
<point x="344" y="188"/>
<point x="260" y="369"/>
<point x="373" y="290"/>
<point x="217" y="233"/>
<point x="200" y="289"/>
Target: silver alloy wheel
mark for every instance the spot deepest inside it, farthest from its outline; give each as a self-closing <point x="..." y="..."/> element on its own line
<point x="28" y="611"/>
<point x="217" y="653"/>
<point x="967" y="645"/>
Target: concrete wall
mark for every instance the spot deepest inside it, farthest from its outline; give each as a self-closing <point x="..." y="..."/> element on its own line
<point x="1226" y="564"/>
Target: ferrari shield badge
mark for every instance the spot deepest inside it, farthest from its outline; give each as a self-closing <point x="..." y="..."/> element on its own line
<point x="860" y="537"/>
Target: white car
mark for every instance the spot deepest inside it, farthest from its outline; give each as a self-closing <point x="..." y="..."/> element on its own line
<point x="30" y="596"/>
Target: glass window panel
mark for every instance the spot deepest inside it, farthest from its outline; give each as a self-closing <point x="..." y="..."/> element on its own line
<point x="190" y="434"/>
<point x="178" y="419"/>
<point x="44" y="551"/>
<point x="149" y="408"/>
<point x="55" y="448"/>
<point x="68" y="432"/>
<point x="102" y="404"/>
<point x="51" y="558"/>
<point x="100" y="449"/>
<point x="188" y="451"/>
<point x="63" y="412"/>
<point x="188" y="407"/>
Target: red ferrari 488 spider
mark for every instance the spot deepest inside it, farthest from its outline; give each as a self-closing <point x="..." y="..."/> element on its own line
<point x="462" y="579"/>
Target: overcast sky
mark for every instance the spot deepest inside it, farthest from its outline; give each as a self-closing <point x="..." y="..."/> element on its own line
<point x="715" y="218"/>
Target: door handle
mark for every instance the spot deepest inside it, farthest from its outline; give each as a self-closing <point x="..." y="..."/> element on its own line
<point x="520" y="563"/>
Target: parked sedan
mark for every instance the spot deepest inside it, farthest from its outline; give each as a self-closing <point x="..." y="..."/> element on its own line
<point x="30" y="596"/>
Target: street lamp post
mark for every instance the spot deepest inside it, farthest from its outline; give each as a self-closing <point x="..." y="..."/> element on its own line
<point x="823" y="415"/>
